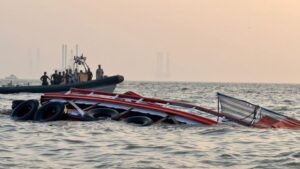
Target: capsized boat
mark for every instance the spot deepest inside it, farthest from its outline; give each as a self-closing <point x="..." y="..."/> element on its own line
<point x="90" y="105"/>
<point x="80" y="102"/>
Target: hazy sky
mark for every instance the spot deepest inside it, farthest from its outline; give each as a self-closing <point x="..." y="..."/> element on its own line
<point x="207" y="40"/>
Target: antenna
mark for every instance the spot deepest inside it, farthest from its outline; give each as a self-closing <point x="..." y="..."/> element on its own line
<point x="63" y="57"/>
<point x="66" y="55"/>
<point x="76" y="49"/>
<point x="72" y="55"/>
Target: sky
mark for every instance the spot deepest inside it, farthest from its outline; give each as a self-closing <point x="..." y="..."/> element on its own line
<point x="205" y="40"/>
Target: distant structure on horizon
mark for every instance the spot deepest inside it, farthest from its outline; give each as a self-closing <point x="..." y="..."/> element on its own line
<point x="64" y="56"/>
<point x="64" y="63"/>
<point x="11" y="77"/>
<point x="163" y="66"/>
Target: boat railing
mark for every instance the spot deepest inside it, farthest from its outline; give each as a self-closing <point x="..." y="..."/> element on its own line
<point x="186" y="107"/>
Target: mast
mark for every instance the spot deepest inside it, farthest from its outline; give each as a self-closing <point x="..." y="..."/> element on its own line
<point x="63" y="57"/>
<point x="66" y="55"/>
<point x="76" y="49"/>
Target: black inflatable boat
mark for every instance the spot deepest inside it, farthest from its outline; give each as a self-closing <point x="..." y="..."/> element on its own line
<point x="107" y="84"/>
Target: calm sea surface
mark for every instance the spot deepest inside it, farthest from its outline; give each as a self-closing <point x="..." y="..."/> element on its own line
<point x="109" y="144"/>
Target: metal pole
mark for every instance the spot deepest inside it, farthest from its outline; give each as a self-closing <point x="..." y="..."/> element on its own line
<point x="66" y="55"/>
<point x="76" y="49"/>
<point x="63" y="58"/>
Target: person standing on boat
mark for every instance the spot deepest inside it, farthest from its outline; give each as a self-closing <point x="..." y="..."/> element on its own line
<point x="59" y="78"/>
<point x="54" y="78"/>
<point x="44" y="79"/>
<point x="71" y="76"/>
<point x="99" y="73"/>
<point x="67" y="76"/>
<point x="63" y="80"/>
<point x="76" y="75"/>
<point x="90" y="74"/>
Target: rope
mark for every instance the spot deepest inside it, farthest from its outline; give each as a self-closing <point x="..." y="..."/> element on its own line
<point x="254" y="115"/>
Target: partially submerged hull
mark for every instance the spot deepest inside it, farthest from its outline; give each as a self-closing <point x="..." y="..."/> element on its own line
<point x="130" y="101"/>
<point x="106" y="84"/>
<point x="240" y="112"/>
<point x="89" y="105"/>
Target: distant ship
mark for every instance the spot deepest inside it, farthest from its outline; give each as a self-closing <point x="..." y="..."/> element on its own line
<point x="11" y="77"/>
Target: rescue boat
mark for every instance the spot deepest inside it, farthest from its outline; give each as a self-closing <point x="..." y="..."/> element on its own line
<point x="105" y="84"/>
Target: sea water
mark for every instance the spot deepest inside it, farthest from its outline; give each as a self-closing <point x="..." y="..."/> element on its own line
<point x="111" y="144"/>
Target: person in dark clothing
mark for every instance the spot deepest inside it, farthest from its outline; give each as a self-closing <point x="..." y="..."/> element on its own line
<point x="90" y="74"/>
<point x="59" y="78"/>
<point x="54" y="78"/>
<point x="67" y="77"/>
<point x="63" y="81"/>
<point x="71" y="76"/>
<point x="44" y="79"/>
